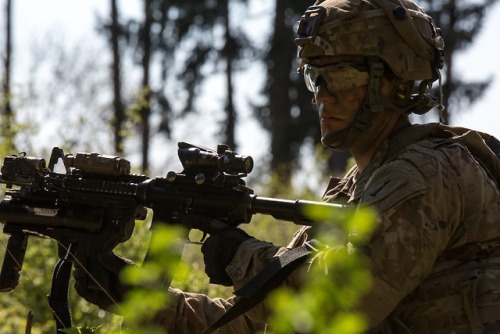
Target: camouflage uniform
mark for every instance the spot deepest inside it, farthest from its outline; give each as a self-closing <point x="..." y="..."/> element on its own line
<point x="435" y="256"/>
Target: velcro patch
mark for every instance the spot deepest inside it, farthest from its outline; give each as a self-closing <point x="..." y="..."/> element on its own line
<point x="393" y="183"/>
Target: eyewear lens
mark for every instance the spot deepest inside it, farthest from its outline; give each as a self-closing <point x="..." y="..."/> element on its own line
<point x="337" y="77"/>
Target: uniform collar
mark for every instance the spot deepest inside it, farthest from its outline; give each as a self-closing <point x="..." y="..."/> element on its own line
<point x="350" y="188"/>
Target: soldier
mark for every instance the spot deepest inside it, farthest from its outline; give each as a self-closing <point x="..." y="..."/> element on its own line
<point x="435" y="254"/>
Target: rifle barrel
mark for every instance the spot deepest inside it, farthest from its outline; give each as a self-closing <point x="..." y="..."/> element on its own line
<point x="298" y="211"/>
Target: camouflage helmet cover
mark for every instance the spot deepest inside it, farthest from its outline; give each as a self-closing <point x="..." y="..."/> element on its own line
<point x="397" y="31"/>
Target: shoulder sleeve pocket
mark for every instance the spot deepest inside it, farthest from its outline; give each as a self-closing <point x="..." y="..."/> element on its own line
<point x="392" y="184"/>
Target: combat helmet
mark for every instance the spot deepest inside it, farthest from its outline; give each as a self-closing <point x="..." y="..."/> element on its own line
<point x="394" y="34"/>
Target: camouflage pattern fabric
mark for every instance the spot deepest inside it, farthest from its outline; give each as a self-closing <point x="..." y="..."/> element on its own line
<point x="436" y="253"/>
<point x="363" y="28"/>
<point x="435" y="256"/>
<point x="192" y="313"/>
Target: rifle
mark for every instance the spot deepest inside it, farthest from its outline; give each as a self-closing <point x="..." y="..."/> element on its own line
<point x="92" y="207"/>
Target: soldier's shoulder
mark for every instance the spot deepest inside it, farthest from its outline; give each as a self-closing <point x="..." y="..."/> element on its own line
<point x="407" y="175"/>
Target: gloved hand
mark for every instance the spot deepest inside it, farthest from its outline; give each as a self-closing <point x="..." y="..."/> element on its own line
<point x="218" y="251"/>
<point x="106" y="268"/>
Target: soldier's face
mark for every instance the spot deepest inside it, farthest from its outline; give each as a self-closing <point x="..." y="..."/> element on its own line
<point x="338" y="102"/>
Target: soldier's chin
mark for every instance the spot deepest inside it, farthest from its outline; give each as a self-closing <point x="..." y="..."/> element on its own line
<point x="337" y="141"/>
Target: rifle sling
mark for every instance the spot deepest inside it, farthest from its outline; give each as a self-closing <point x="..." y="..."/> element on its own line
<point x="271" y="277"/>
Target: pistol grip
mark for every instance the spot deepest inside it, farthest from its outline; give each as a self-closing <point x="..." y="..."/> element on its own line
<point x="13" y="262"/>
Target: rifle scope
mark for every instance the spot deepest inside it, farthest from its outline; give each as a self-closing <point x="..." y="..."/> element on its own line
<point x="223" y="160"/>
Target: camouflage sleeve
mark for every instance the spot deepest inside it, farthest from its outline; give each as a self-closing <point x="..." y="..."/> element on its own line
<point x="193" y="313"/>
<point x="420" y="199"/>
<point x="250" y="259"/>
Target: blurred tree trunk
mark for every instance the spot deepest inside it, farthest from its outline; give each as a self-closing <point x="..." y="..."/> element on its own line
<point x="119" y="109"/>
<point x="5" y="100"/>
<point x="288" y="114"/>
<point x="7" y="110"/>
<point x="279" y="103"/>
<point x="228" y="53"/>
<point x="145" y="109"/>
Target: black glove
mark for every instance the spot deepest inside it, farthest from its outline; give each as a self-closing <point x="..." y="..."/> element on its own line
<point x="218" y="251"/>
<point x="106" y="268"/>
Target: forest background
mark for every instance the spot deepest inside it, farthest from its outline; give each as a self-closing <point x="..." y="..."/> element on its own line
<point x="133" y="78"/>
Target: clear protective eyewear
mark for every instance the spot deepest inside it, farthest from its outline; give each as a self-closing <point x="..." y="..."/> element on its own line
<point x="337" y="77"/>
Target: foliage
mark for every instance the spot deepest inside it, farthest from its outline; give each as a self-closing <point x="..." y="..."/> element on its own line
<point x="31" y="294"/>
<point x="141" y="305"/>
<point x="74" y="94"/>
<point x="164" y="249"/>
<point x="335" y="282"/>
<point x="80" y="330"/>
